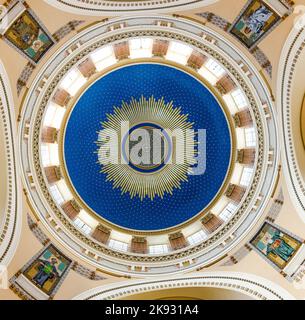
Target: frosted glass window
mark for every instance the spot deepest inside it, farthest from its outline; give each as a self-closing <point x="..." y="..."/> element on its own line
<point x="73" y="81"/>
<point x="228" y="212"/>
<point x="208" y="75"/>
<point x="230" y="103"/>
<point x="45" y="155"/>
<point x="140" y="48"/>
<point x="103" y="58"/>
<point x="118" y="245"/>
<point x="86" y="229"/>
<point x="246" y="176"/>
<point x="239" y="99"/>
<point x="49" y="154"/>
<point x="53" y="152"/>
<point x="179" y="52"/>
<point x="51" y="109"/>
<point x="82" y="226"/>
<point x="56" y="195"/>
<point x="197" y="237"/>
<point x="241" y="138"/>
<point x="54" y="116"/>
<point x="215" y="68"/>
<point x="64" y="190"/>
<point x="158" y="249"/>
<point x="250" y="137"/>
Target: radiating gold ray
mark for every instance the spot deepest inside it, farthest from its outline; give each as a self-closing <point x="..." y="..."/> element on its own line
<point x="171" y="176"/>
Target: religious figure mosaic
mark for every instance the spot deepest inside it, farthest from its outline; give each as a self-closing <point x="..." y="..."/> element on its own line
<point x="47" y="269"/>
<point x="28" y="36"/>
<point x="255" y="21"/>
<point x="276" y="245"/>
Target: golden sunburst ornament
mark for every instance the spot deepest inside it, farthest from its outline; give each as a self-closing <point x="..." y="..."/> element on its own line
<point x="147" y="148"/>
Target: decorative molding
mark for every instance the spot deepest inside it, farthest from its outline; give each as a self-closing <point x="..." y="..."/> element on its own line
<point x="238" y="256"/>
<point x="87" y="273"/>
<point x="66" y="29"/>
<point x="114" y="7"/>
<point x="215" y="20"/>
<point x="276" y="207"/>
<point x="290" y="56"/>
<point x="25" y="76"/>
<point x="252" y="286"/>
<point x="10" y="226"/>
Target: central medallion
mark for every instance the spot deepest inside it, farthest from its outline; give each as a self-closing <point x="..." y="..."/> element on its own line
<point x="156" y="148"/>
<point x="147" y="185"/>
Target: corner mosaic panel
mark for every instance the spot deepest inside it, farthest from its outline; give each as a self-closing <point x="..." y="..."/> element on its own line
<point x="47" y="269"/>
<point x="276" y="245"/>
<point x="256" y="20"/>
<point x="29" y="37"/>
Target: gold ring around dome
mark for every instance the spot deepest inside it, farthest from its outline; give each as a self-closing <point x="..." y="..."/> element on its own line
<point x="127" y="62"/>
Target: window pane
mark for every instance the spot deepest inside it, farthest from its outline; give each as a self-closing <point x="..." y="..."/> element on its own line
<point x="228" y="212"/>
<point x="250" y="137"/>
<point x="215" y="68"/>
<point x="158" y="249"/>
<point x="246" y="176"/>
<point x="240" y="99"/>
<point x="118" y="245"/>
<point x="197" y="237"/>
<point x="56" y="195"/>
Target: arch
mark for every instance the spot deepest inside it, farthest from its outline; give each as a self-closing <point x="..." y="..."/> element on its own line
<point x="10" y="222"/>
<point x="250" y="285"/>
<point x="289" y="112"/>
<point x="113" y="8"/>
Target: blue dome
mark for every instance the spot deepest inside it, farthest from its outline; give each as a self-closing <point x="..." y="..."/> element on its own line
<point x="135" y="81"/>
